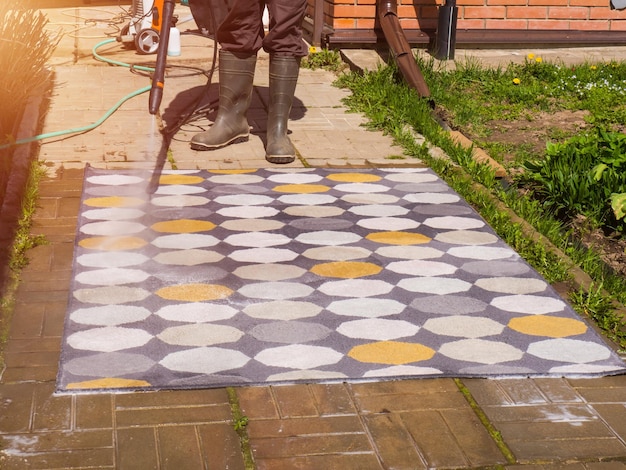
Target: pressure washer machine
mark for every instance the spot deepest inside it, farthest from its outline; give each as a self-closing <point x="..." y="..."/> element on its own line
<point x="144" y="28"/>
<point x="147" y="23"/>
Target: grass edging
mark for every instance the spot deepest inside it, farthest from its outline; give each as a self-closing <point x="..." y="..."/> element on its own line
<point x="24" y="240"/>
<point x="489" y="427"/>
<point x="240" y="423"/>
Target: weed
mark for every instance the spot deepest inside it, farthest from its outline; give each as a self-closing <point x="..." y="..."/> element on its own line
<point x="595" y="304"/>
<point x="580" y="176"/>
<point x="24" y="241"/>
<point x="323" y="59"/>
<point x="240" y="424"/>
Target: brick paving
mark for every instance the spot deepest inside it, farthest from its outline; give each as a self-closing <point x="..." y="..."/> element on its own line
<point x="412" y="424"/>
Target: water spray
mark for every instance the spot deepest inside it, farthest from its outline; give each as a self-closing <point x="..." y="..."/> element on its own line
<point x="158" y="79"/>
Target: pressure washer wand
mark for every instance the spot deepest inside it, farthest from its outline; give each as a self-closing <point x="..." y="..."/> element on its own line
<point x="158" y="79"/>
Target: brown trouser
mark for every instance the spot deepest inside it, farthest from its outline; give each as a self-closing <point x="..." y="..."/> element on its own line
<point x="241" y="32"/>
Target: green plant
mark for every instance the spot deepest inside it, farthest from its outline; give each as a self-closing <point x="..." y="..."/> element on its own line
<point x="595" y="304"/>
<point x="240" y="425"/>
<point x="323" y="59"/>
<point x="24" y="240"/>
<point x="581" y="175"/>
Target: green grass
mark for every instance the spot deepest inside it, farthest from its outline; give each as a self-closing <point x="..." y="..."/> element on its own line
<point x="323" y="59"/>
<point x="24" y="241"/>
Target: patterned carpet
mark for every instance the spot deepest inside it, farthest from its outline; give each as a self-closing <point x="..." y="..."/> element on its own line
<point x="284" y="275"/>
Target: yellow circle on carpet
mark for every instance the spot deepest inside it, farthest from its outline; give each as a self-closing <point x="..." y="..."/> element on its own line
<point x="398" y="238"/>
<point x="354" y="177"/>
<point x="108" y="382"/>
<point x="391" y="352"/>
<point x="114" y="201"/>
<point x="113" y="243"/>
<point x="545" y="325"/>
<point x="194" y="292"/>
<point x="346" y="269"/>
<point x="180" y="179"/>
<point x="301" y="188"/>
<point x="183" y="226"/>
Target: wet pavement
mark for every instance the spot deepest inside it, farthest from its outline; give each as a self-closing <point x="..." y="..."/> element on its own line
<point x="409" y="424"/>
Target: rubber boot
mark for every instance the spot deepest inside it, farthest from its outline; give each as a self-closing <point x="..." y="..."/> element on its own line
<point x="231" y="125"/>
<point x="283" y="79"/>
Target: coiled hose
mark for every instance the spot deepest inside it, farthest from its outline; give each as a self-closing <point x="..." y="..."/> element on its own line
<point x="89" y="127"/>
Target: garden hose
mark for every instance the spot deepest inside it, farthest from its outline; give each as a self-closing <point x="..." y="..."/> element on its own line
<point x="108" y="114"/>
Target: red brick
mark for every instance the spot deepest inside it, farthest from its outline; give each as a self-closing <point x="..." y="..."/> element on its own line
<point x="506" y="24"/>
<point x="587" y="3"/>
<point x="336" y="461"/>
<point x="618" y="26"/>
<point x="506" y="2"/>
<point x="333" y="399"/>
<point x="407" y="12"/>
<point x="295" y="401"/>
<point x="605" y="14"/>
<point x="527" y="12"/>
<point x="136" y="448"/>
<point x="348" y="11"/>
<point x="598" y="25"/>
<point x="484" y="12"/>
<point x="411" y="24"/>
<point x="344" y="23"/>
<point x="548" y="24"/>
<point x="257" y="402"/>
<point x="470" y="24"/>
<point x="429" y="12"/>
<point x="94" y="411"/>
<point x="427" y="24"/>
<point x="572" y="13"/>
<point x="557" y="3"/>
<point x="179" y="447"/>
<point x="365" y="23"/>
<point x="51" y="413"/>
<point x="466" y="3"/>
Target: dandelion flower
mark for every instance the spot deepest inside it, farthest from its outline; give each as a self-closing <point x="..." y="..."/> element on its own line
<point x="593" y="67"/>
<point x="516" y="81"/>
<point x="538" y="60"/>
<point x="531" y="56"/>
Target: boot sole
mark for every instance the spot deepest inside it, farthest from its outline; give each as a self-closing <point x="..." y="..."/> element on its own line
<point x="280" y="159"/>
<point x="202" y="147"/>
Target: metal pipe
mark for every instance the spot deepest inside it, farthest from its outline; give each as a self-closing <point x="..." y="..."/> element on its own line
<point x="318" y="22"/>
<point x="158" y="79"/>
<point x="388" y="16"/>
<point x="446" y="31"/>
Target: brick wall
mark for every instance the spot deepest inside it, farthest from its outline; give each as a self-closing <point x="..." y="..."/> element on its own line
<point x="580" y="15"/>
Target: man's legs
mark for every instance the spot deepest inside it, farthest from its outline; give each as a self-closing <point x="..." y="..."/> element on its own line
<point x="231" y="125"/>
<point x="240" y="36"/>
<point x="283" y="79"/>
<point x="286" y="47"/>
